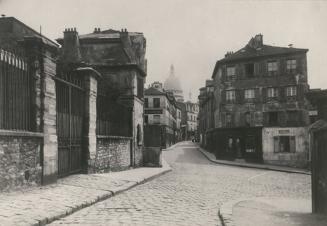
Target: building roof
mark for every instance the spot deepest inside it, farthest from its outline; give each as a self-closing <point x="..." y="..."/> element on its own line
<point x="7" y="24"/>
<point x="264" y="50"/>
<point x="256" y="49"/>
<point x="107" y="34"/>
<point x="153" y="91"/>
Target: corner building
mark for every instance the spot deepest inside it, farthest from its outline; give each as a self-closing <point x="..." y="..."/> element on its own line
<point x="261" y="111"/>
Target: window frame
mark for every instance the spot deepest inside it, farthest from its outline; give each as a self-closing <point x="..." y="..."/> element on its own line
<point x="230" y="95"/>
<point x="272" y="67"/>
<point x="291" y="65"/>
<point x="247" y="96"/>
<point x="155" y="103"/>
<point x="291" y="91"/>
<point x="274" y="93"/>
<point x="228" y="71"/>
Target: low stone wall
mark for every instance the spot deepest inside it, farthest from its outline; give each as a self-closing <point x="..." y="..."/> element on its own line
<point x="20" y="160"/>
<point x="112" y="154"/>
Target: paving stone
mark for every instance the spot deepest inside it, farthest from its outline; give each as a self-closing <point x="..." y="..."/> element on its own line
<point x="191" y="194"/>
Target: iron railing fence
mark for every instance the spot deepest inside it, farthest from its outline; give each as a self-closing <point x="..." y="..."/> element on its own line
<point x="17" y="88"/>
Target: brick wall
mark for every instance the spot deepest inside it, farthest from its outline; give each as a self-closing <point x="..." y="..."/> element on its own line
<point x="112" y="154"/>
<point x="19" y="160"/>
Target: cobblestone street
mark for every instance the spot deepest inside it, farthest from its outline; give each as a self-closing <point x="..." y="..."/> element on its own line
<point x="189" y="195"/>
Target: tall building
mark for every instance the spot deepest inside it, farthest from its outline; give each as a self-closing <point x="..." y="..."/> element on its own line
<point x="172" y="84"/>
<point x="261" y="112"/>
<point x="160" y="108"/>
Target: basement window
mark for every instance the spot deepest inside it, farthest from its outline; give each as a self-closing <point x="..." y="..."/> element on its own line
<point x="284" y="144"/>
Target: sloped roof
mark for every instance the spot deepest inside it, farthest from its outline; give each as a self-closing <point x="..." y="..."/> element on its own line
<point x="153" y="91"/>
<point x="264" y="50"/>
<point x="107" y="34"/>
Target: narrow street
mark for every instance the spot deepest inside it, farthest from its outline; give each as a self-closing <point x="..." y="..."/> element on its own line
<point x="189" y="195"/>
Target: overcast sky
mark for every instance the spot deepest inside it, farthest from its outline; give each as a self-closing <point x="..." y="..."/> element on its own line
<point x="191" y="34"/>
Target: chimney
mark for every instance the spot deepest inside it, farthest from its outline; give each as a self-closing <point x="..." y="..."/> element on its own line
<point x="71" y="47"/>
<point x="229" y="53"/>
<point x="256" y="42"/>
<point x="97" y="30"/>
<point x="125" y="38"/>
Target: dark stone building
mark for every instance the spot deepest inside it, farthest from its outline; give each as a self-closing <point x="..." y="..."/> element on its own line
<point x="74" y="109"/>
<point x="118" y="60"/>
<point x="206" y="111"/>
<point x="260" y="110"/>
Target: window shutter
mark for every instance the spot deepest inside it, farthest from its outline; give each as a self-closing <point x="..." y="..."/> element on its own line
<point x="256" y="95"/>
<point x="299" y="68"/>
<point x="223" y="72"/>
<point x="256" y="69"/>
<point x="223" y="119"/>
<point x="276" y="144"/>
<point x="239" y="95"/>
<point x="282" y="67"/>
<point x="281" y="93"/>
<point x="292" y="144"/>
<point x="300" y="92"/>
<point x="264" y="94"/>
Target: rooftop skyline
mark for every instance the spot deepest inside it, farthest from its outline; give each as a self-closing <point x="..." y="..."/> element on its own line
<point x="189" y="34"/>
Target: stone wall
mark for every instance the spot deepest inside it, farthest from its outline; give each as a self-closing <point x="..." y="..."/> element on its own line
<point x="20" y="164"/>
<point x="297" y="159"/>
<point x="138" y="142"/>
<point x="112" y="154"/>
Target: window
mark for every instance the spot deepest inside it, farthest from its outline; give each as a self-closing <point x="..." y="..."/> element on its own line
<point x="291" y="91"/>
<point x="284" y="144"/>
<point x="272" y="68"/>
<point x="272" y="118"/>
<point x="272" y="92"/>
<point x="230" y="95"/>
<point x="291" y="66"/>
<point x="250" y="144"/>
<point x="249" y="94"/>
<point x="230" y="71"/>
<point x="156" y="102"/>
<point x="146" y="102"/>
<point x="249" y="70"/>
<point x="146" y="119"/>
<point x="156" y="119"/>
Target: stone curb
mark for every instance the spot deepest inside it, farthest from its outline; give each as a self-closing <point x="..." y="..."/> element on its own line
<point x="100" y="198"/>
<point x="246" y="165"/>
<point x="225" y="211"/>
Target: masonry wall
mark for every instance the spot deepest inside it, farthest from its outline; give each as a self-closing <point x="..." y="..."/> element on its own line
<point x="297" y="159"/>
<point x="112" y="154"/>
<point x="20" y="164"/>
<point x="138" y="142"/>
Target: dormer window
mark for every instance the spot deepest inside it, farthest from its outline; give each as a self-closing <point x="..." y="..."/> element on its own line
<point x="291" y="66"/>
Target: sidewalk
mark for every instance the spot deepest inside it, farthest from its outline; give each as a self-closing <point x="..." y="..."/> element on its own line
<point x="41" y="205"/>
<point x="211" y="157"/>
<point x="270" y="212"/>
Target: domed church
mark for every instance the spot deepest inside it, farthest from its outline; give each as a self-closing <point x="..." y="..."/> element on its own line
<point x="173" y="85"/>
